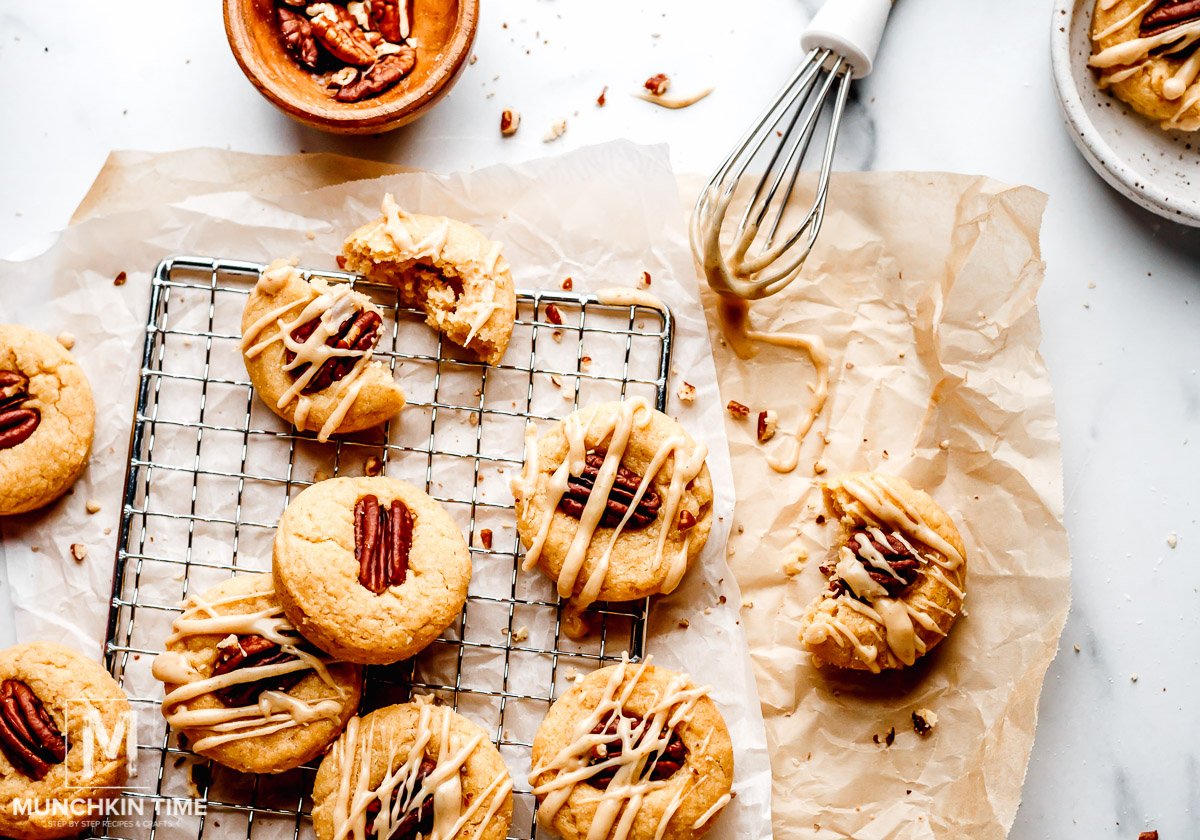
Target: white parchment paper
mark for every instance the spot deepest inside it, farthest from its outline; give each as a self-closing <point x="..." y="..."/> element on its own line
<point x="602" y="216"/>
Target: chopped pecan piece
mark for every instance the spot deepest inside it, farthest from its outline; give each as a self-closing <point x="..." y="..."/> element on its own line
<point x="29" y="738"/>
<point x="510" y="121"/>
<point x="1168" y="14"/>
<point x="415" y="823"/>
<point x="386" y="72"/>
<point x="625" y="485"/>
<point x="687" y="520"/>
<point x="251" y="651"/>
<point x="659" y="767"/>
<point x="737" y="410"/>
<point x="382" y="542"/>
<point x="658" y="84"/>
<point x="903" y="562"/>
<point x="768" y="422"/>
<point x="17" y="423"/>
<point x="358" y="332"/>
<point x="339" y="32"/>
<point x="554" y="315"/>
<point x="298" y="37"/>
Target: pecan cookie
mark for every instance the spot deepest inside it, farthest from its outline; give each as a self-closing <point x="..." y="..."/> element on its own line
<point x="636" y="745"/>
<point x="370" y="569"/>
<point x="1148" y="54"/>
<point x="245" y="688"/>
<point x="47" y="418"/>
<point x="446" y="268"/>
<point x="62" y="740"/>
<point x="613" y="503"/>
<point x="308" y="349"/>
<point x="412" y="770"/>
<point x="896" y="584"/>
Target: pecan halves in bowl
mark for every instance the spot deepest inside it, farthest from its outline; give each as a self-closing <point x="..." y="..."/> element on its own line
<point x="387" y="72"/>
<point x="625" y="485"/>
<point x="298" y="37"/>
<point x="339" y="32"/>
<point x="382" y="542"/>
<point x="252" y="651"/>
<point x="28" y="736"/>
<point x="17" y="423"/>
<point x="385" y="16"/>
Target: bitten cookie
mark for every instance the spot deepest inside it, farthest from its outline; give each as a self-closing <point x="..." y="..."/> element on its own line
<point x="245" y="688"/>
<point x="633" y="751"/>
<point x="412" y="770"/>
<point x="51" y="749"/>
<point x="308" y="348"/>
<point x="897" y="583"/>
<point x="446" y="268"/>
<point x="614" y="503"/>
<point x="1146" y="54"/>
<point x="47" y="419"/>
<point x="370" y="569"/>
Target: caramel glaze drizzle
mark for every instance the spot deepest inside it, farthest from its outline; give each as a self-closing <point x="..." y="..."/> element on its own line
<point x="1130" y="57"/>
<point x="896" y="615"/>
<point x="688" y="460"/>
<point x="274" y="710"/>
<point x="402" y="791"/>
<point x="329" y="307"/>
<point x="641" y="745"/>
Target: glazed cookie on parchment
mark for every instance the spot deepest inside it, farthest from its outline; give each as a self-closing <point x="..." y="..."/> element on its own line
<point x="51" y="700"/>
<point x="47" y="419"/>
<point x="614" y="503"/>
<point x="446" y="268"/>
<point x="412" y="770"/>
<point x="245" y="688"/>
<point x="1148" y="54"/>
<point x="633" y="752"/>
<point x="370" y="569"/>
<point x="308" y="349"/>
<point x="897" y="582"/>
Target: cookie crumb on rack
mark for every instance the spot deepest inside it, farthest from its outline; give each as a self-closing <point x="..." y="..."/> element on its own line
<point x="557" y="129"/>
<point x="520" y="634"/>
<point x="924" y="720"/>
<point x="818" y="468"/>
<point x="92" y="506"/>
<point x="795" y="565"/>
<point x="684" y="623"/>
<point x="686" y="392"/>
<point x="945" y="444"/>
<point x="1172" y="540"/>
<point x="66" y="339"/>
<point x="372" y="466"/>
<point x="79" y="551"/>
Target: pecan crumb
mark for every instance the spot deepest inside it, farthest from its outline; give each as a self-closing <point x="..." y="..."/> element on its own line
<point x="644" y="280"/>
<point x="557" y="335"/>
<point x="687" y="520"/>
<point x="768" y="421"/>
<point x="686" y="392"/>
<point x="485" y="538"/>
<point x="567" y="284"/>
<point x="120" y="279"/>
<point x="585" y="362"/>
<point x="553" y="315"/>
<point x="923" y="720"/>
<point x="66" y="339"/>
<point x="602" y="99"/>
<point x="93" y="506"/>
<point x="79" y="551"/>
<point x="520" y="634"/>
<point x="684" y="623"/>
<point x="1149" y="835"/>
<point x="658" y="84"/>
<point x="557" y="129"/>
<point x="372" y="466"/>
<point x="472" y="59"/>
<point x="737" y="410"/>
<point x="556" y="380"/>
<point x="888" y="739"/>
<point x="945" y="444"/>
<point x="819" y="468"/>
<point x="510" y="121"/>
<point x="795" y="565"/>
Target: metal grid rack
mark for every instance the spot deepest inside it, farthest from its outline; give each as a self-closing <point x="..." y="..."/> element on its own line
<point x="210" y="469"/>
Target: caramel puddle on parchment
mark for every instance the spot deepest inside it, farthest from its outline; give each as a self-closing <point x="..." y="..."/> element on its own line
<point x="734" y="315"/>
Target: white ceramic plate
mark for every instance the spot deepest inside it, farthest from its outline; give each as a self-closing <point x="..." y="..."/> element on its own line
<point x="1156" y="169"/>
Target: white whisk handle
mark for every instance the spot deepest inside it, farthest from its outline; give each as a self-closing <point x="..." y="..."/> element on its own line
<point x="852" y="28"/>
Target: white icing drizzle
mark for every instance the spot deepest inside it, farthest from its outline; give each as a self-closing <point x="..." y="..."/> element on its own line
<point x="898" y="616"/>
<point x="1135" y="55"/>
<point x="712" y="812"/>
<point x="632" y="781"/>
<point x="397" y="792"/>
<point x="735" y="317"/>
<point x="619" y="296"/>
<point x="274" y="710"/>
<point x="674" y="102"/>
<point x="329" y="305"/>
<point x="687" y="462"/>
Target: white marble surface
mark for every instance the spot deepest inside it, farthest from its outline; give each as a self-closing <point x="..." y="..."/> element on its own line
<point x="958" y="86"/>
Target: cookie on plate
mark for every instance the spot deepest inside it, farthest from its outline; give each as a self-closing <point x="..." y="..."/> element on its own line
<point x="897" y="583"/>
<point x="1146" y="54"/>
<point x="308" y="347"/>
<point x="636" y="745"/>
<point x="412" y="770"/>
<point x="53" y="702"/>
<point x="444" y="267"/>
<point x="47" y="419"/>
<point x="245" y="688"/>
<point x="370" y="569"/>
<point x="614" y="503"/>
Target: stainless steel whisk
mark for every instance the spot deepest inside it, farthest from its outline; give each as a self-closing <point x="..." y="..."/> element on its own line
<point x="841" y="40"/>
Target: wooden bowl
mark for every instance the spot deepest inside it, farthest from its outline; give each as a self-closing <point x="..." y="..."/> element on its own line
<point x="444" y="31"/>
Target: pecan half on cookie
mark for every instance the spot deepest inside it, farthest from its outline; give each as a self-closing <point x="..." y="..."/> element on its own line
<point x="359" y="332"/>
<point x="874" y="544"/>
<point x="625" y="486"/>
<point x="237" y="653"/>
<point x="382" y="542"/>
<point x="28" y="736"/>
<point x="1167" y="14"/>
<point x="17" y="423"/>
<point x="657" y="767"/>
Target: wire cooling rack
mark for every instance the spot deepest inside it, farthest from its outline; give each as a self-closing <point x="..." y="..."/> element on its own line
<point x="211" y="468"/>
